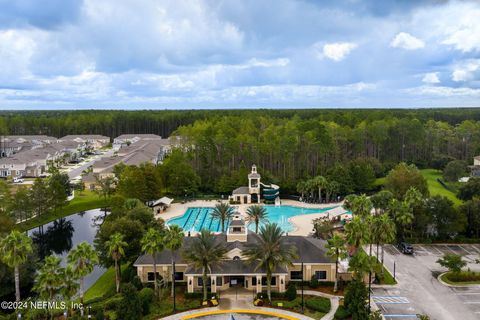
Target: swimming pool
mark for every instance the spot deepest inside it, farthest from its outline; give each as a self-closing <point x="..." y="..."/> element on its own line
<point x="198" y="218"/>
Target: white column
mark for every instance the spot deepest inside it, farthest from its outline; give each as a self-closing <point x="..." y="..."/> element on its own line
<point x="213" y="283"/>
<point x="259" y="283"/>
<point x="190" y="280"/>
<point x="281" y="284"/>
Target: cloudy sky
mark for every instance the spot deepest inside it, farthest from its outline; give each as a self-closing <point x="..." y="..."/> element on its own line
<point x="65" y="54"/>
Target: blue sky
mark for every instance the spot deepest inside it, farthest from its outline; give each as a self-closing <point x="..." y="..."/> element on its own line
<point x="67" y="54"/>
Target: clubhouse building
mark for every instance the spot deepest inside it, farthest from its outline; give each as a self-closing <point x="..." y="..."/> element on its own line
<point x="235" y="271"/>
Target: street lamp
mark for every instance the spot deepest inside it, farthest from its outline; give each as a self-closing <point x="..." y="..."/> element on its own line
<point x="65" y="313"/>
<point x="303" y="310"/>
<point x="19" y="316"/>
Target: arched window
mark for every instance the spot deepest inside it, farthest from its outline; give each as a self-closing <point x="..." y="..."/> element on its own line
<point x="236" y="258"/>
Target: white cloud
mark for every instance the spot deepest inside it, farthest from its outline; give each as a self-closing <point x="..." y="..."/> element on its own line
<point x="431" y="78"/>
<point x="406" y="41"/>
<point x="466" y="71"/>
<point x="464" y="32"/>
<point x="444" y="91"/>
<point x="337" y="51"/>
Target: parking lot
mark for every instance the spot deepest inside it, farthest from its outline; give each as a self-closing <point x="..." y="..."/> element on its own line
<point x="418" y="290"/>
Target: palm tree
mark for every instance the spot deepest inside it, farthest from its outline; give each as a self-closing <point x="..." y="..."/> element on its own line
<point x="116" y="249"/>
<point x="302" y="188"/>
<point x="361" y="264"/>
<point x="269" y="252"/>
<point x="401" y="213"/>
<point x="152" y="243"/>
<point x="173" y="239"/>
<point x="14" y="249"/>
<point x="385" y="232"/>
<point x="257" y="214"/>
<point x="70" y="285"/>
<point x="361" y="205"/>
<point x="222" y="212"/>
<point x="205" y="252"/>
<point x="320" y="183"/>
<point x="82" y="258"/>
<point x="357" y="232"/>
<point x="336" y="250"/>
<point x="49" y="279"/>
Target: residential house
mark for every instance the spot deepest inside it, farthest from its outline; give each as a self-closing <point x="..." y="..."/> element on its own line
<point x="127" y="139"/>
<point x="94" y="141"/>
<point x="30" y="163"/>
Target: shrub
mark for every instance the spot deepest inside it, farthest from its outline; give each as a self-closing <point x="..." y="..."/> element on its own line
<point x="146" y="296"/>
<point x="463" y="276"/>
<point x="341" y="313"/>
<point x="319" y="304"/>
<point x="314" y="283"/>
<point x="193" y="295"/>
<point x="291" y="292"/>
<point x="137" y="282"/>
<point x="99" y="315"/>
<point x="130" y="307"/>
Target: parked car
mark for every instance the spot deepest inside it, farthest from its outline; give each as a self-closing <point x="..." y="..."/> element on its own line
<point x="17" y="180"/>
<point x="405" y="248"/>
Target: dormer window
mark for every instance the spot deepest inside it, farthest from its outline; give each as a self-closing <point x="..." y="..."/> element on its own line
<point x="236" y="258"/>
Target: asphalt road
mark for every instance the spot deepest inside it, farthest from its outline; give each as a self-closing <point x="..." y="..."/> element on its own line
<point x="418" y="290"/>
<point x="75" y="172"/>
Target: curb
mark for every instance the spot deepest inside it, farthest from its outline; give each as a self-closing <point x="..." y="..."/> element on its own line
<point x="455" y="285"/>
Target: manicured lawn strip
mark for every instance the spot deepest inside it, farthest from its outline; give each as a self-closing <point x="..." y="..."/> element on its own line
<point x="104" y="285"/>
<point x="435" y="188"/>
<point x="296" y="306"/>
<point x="387" y="277"/>
<point x="83" y="201"/>
<point x="445" y="278"/>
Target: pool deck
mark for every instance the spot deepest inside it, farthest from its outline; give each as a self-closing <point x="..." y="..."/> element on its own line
<point x="302" y="223"/>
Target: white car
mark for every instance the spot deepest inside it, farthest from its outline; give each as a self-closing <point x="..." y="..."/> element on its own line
<point x="18" y="180"/>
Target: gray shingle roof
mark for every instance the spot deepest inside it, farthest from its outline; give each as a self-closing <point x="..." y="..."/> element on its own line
<point x="241" y="190"/>
<point x="309" y="250"/>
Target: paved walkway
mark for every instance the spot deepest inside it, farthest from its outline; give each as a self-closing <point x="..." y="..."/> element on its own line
<point x="237" y="303"/>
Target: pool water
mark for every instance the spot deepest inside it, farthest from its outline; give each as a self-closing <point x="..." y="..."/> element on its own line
<point x="196" y="219"/>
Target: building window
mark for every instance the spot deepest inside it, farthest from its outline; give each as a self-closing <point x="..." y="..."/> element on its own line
<point x="150" y="276"/>
<point x="236" y="258"/>
<point x="295" y="275"/>
<point x="178" y="276"/>
<point x="237" y="229"/>
<point x="321" y="275"/>
<point x="273" y="283"/>
<point x="200" y="281"/>
<point x="219" y="281"/>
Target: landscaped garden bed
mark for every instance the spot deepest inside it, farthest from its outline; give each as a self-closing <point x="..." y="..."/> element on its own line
<point x="461" y="278"/>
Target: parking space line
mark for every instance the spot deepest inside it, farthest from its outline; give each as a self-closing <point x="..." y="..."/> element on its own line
<point x="395" y="249"/>
<point x="468" y="252"/>
<point x="475" y="248"/>
<point x="446" y="246"/>
<point x="471" y="302"/>
<point x="438" y="251"/>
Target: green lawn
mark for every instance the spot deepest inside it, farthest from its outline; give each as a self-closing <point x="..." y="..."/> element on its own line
<point x="85" y="200"/>
<point x="104" y="285"/>
<point x="435" y="188"/>
<point x="388" y="278"/>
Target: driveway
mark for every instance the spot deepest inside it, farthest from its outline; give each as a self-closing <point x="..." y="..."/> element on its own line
<point x="419" y="291"/>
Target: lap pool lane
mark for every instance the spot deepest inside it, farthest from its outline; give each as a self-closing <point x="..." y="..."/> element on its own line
<point x="419" y="292"/>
